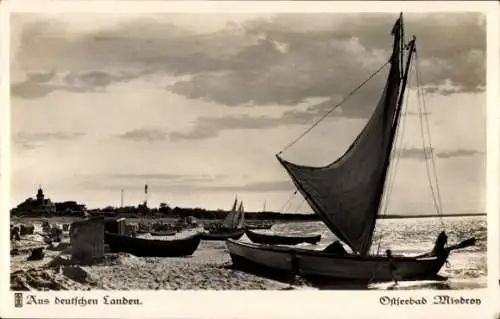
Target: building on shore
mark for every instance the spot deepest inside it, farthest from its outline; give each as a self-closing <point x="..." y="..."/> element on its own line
<point x="43" y="206"/>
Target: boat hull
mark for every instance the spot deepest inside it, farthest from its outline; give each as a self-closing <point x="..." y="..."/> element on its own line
<point x="264" y="226"/>
<point x="165" y="233"/>
<point x="237" y="234"/>
<point x="317" y="266"/>
<point x="281" y="240"/>
<point x="152" y="247"/>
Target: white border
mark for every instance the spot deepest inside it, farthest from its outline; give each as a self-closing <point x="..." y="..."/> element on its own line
<point x="493" y="159"/>
<point x="123" y="6"/>
<point x="269" y="304"/>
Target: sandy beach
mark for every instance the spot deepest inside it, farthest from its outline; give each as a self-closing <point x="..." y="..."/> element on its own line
<point x="208" y="268"/>
<point x="210" y="265"/>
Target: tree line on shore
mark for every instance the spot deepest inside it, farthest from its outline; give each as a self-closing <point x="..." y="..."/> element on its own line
<point x="163" y="211"/>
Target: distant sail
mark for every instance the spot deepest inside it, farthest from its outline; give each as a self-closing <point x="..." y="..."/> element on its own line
<point x="230" y="220"/>
<point x="241" y="216"/>
<point x="346" y="194"/>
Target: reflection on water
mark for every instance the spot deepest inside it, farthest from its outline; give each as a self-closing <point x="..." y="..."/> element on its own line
<point x="466" y="268"/>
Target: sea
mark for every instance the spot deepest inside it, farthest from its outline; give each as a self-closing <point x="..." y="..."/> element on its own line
<point x="466" y="268"/>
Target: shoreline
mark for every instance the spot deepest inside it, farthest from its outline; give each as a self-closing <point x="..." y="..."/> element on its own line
<point x="250" y="220"/>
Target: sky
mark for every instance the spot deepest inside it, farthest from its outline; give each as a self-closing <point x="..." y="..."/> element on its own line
<point x="197" y="105"/>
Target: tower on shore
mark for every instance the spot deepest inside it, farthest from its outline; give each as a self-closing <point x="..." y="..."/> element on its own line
<point x="121" y="199"/>
<point x="40" y="196"/>
<point x="146" y="193"/>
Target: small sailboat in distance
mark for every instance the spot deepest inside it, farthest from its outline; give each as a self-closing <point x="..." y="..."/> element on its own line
<point x="231" y="227"/>
<point x="229" y="220"/>
<point x="346" y="194"/>
<point x="240" y="224"/>
<point x="261" y="225"/>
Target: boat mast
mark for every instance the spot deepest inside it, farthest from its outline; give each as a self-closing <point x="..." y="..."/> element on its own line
<point x="387" y="118"/>
<point x="397" y="116"/>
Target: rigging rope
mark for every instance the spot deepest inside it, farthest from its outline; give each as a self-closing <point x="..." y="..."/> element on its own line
<point x="300" y="205"/>
<point x="334" y="108"/>
<point x="398" y="150"/>
<point x="436" y="196"/>
<point x="288" y="201"/>
<point x="397" y="156"/>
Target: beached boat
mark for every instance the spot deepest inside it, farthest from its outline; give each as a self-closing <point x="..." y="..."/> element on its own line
<point x="223" y="235"/>
<point x="270" y="239"/>
<point x="152" y="247"/>
<point x="232" y="227"/>
<point x="213" y="226"/>
<point x="318" y="266"/>
<point x="163" y="233"/>
<point x="347" y="195"/>
<point x="258" y="226"/>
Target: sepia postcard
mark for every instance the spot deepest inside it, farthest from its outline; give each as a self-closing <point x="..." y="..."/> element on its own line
<point x="289" y="159"/>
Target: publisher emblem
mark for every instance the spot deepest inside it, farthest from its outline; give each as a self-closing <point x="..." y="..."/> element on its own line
<point x="18" y="300"/>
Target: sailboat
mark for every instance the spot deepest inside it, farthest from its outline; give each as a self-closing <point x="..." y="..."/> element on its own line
<point x="231" y="227"/>
<point x="230" y="219"/>
<point x="260" y="225"/>
<point x="347" y="196"/>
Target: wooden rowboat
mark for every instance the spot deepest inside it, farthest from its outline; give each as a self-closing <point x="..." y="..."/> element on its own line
<point x="163" y="233"/>
<point x="269" y="239"/>
<point x="281" y="262"/>
<point x="152" y="247"/>
<point x="262" y="226"/>
<point x="223" y="235"/>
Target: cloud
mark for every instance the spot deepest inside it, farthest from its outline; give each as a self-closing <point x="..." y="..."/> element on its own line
<point x="315" y="59"/>
<point x="40" y="84"/>
<point x="192" y="183"/>
<point x="167" y="177"/>
<point x="27" y="141"/>
<point x="144" y="134"/>
<point x="282" y="59"/>
<point x="418" y="153"/>
<point x="262" y="187"/>
<point x="204" y="128"/>
<point x="199" y="132"/>
<point x="269" y="76"/>
<point x="448" y="154"/>
<point x="209" y="127"/>
<point x="409" y="113"/>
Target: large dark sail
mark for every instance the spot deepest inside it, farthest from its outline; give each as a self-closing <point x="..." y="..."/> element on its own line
<point x="346" y="194"/>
